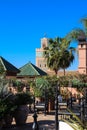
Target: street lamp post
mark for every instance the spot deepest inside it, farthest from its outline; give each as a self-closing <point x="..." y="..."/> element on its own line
<point x="70" y="85"/>
<point x="56" y="108"/>
<point x="82" y="109"/>
<point x="45" y="103"/>
<point x="35" y="123"/>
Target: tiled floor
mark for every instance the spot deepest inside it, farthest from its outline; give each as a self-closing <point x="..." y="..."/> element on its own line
<point x="44" y="123"/>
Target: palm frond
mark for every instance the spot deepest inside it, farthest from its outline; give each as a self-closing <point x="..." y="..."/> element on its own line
<point x="74" y="122"/>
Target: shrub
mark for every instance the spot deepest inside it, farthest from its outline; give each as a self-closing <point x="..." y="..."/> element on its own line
<point x="23" y="98"/>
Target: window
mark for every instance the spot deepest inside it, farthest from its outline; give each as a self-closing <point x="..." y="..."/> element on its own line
<point x="44" y="45"/>
<point x="81" y="45"/>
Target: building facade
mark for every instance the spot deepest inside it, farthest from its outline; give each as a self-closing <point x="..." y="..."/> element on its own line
<point x="82" y="53"/>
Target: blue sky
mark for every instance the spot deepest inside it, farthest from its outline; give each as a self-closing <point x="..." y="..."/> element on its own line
<point x="24" y="22"/>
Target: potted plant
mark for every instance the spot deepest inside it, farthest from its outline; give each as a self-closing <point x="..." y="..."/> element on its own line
<point x="7" y="105"/>
<point x="22" y="110"/>
<point x="2" y="110"/>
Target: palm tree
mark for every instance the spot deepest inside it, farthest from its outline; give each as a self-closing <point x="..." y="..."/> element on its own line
<point x="79" y="34"/>
<point x="42" y="85"/>
<point x="75" y="122"/>
<point x="59" y="54"/>
<point x="84" y="21"/>
<point x="52" y="54"/>
<point x="67" y="54"/>
<point x="66" y="60"/>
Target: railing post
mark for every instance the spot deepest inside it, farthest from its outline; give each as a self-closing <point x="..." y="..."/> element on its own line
<point x="56" y="109"/>
<point x="82" y="110"/>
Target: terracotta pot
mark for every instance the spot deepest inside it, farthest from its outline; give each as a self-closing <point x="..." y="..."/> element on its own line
<point x="8" y="120"/>
<point x="1" y="124"/>
<point x="21" y="114"/>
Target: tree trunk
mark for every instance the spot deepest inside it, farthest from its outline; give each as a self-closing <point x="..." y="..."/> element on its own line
<point x="50" y="105"/>
<point x="64" y="72"/>
<point x="56" y="72"/>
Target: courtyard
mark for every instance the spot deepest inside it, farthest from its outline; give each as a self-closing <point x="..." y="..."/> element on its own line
<point x="44" y="122"/>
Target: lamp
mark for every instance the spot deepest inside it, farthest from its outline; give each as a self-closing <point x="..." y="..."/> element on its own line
<point x="35" y="123"/>
<point x="56" y="107"/>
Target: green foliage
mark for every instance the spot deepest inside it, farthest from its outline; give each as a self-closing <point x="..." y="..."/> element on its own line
<point x="80" y="82"/>
<point x="9" y="102"/>
<point x="42" y="84"/>
<point x="75" y="82"/>
<point x="1" y="69"/>
<point x="75" y="122"/>
<point x="7" y="105"/>
<point x="49" y="82"/>
<point x="23" y="98"/>
<point x="18" y="84"/>
<point x="75" y="34"/>
<point x="58" y="54"/>
<point x="2" y="109"/>
<point x="84" y="22"/>
<point x="64" y="81"/>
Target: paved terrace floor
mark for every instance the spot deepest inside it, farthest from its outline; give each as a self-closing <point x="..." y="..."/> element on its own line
<point x="47" y="121"/>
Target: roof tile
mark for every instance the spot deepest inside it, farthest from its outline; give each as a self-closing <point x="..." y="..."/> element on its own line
<point x="30" y="69"/>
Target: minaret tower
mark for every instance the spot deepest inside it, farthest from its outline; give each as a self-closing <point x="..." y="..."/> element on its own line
<point x="82" y="51"/>
<point x="40" y="60"/>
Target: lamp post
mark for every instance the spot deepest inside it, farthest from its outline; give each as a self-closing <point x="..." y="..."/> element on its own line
<point x="35" y="123"/>
<point x="56" y="107"/>
<point x="82" y="109"/>
<point x="45" y="103"/>
<point x="70" y="85"/>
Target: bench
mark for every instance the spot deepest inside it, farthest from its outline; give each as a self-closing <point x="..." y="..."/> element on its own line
<point x="62" y="105"/>
<point x="40" y="107"/>
<point x="65" y="114"/>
